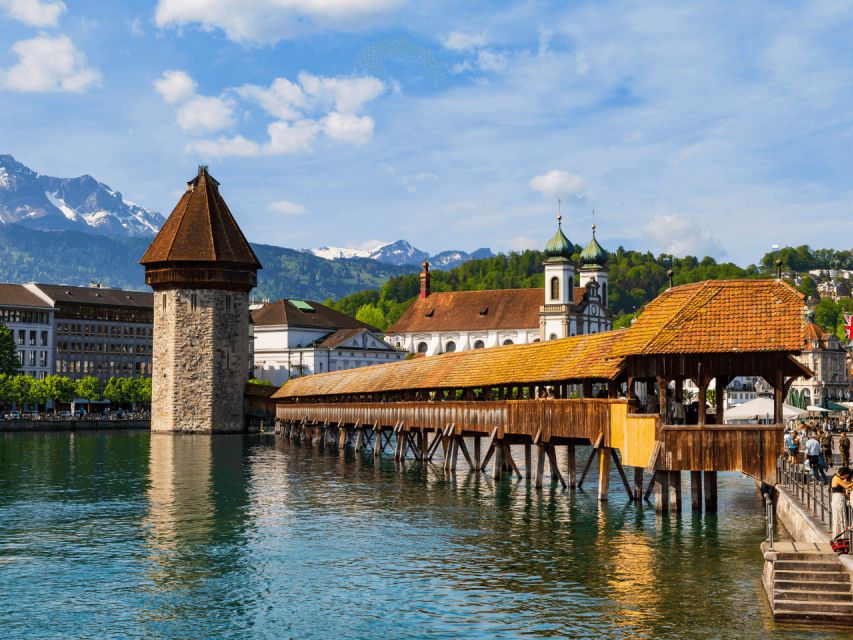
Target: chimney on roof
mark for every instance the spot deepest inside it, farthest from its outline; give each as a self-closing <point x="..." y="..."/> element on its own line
<point x="425" y="277"/>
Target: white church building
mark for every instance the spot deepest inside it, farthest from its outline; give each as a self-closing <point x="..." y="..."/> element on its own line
<point x="295" y="338"/>
<point x="443" y="322"/>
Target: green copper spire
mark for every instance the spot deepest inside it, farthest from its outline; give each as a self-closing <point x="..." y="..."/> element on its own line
<point x="594" y="253"/>
<point x="559" y="246"/>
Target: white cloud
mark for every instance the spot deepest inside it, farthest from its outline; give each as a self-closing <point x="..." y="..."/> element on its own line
<point x="35" y="13"/>
<point x="459" y="41"/>
<point x="288" y="138"/>
<point x="49" y="64"/>
<point x="488" y="60"/>
<point x="269" y="20"/>
<point x="222" y="147"/>
<point x="175" y="86"/>
<point x="283" y="99"/>
<point x="581" y="64"/>
<point x="681" y="236"/>
<point x="287" y="208"/>
<point x="205" y="113"/>
<point x="348" y="128"/>
<point x="558" y="184"/>
<point x="348" y="95"/>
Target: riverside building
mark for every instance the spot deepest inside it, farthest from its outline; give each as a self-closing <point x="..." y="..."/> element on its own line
<point x="30" y="319"/>
<point x="99" y="332"/>
<point x="445" y="322"/>
<point x="296" y="338"/>
<point x="824" y="354"/>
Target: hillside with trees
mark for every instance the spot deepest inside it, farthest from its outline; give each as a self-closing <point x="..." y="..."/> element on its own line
<point x="635" y="279"/>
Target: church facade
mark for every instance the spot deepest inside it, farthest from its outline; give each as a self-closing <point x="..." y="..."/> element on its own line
<point x="566" y="306"/>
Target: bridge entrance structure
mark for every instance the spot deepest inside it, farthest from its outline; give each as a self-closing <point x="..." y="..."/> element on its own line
<point x="581" y="390"/>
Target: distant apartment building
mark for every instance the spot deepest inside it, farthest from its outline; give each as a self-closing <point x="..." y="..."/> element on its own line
<point x="295" y="338"/>
<point x="30" y="318"/>
<point x="79" y="331"/>
<point x="100" y="332"/>
<point x="826" y="356"/>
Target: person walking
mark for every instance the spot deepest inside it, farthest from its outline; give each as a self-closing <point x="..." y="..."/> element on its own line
<point x="792" y="444"/>
<point x="826" y="446"/>
<point x="678" y="414"/>
<point x="813" y="454"/>
<point x="842" y="482"/>
<point x="844" y="449"/>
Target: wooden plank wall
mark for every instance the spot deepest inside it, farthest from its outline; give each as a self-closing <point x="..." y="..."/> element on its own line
<point x="635" y="436"/>
<point x="751" y="449"/>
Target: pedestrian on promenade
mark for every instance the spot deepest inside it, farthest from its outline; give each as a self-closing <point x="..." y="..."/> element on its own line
<point x="813" y="454"/>
<point x="652" y="403"/>
<point x="792" y="443"/>
<point x="844" y="449"/>
<point x="842" y="482"/>
<point x="826" y="445"/>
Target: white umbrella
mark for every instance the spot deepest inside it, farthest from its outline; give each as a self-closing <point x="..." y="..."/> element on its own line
<point x="812" y="407"/>
<point x="760" y="409"/>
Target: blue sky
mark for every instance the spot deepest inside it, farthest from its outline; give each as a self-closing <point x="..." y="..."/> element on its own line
<point x="690" y="127"/>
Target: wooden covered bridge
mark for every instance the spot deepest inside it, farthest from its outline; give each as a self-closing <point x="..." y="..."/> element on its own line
<point x="580" y="390"/>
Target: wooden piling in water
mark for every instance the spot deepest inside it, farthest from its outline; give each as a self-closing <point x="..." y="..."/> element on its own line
<point x="710" y="487"/>
<point x="675" y="491"/>
<point x="603" y="473"/>
<point x="696" y="491"/>
<point x="661" y="484"/>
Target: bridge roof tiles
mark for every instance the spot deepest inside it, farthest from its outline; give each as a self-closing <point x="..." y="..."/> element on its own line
<point x="718" y="316"/>
<point x="579" y="358"/>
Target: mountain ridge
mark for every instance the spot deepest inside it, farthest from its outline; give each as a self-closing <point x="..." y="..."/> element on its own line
<point x="401" y="253"/>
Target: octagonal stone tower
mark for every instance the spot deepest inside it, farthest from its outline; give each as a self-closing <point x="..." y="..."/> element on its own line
<point x="201" y="268"/>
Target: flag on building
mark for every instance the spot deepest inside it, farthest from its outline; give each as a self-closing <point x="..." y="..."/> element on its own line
<point x="848" y="325"/>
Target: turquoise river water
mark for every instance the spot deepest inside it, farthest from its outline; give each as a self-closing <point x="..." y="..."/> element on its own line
<point x="133" y="535"/>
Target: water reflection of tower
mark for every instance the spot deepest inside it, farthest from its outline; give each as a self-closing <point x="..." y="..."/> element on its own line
<point x="180" y="497"/>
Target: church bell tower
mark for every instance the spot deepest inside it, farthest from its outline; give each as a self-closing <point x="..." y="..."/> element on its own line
<point x="201" y="268"/>
<point x="555" y="315"/>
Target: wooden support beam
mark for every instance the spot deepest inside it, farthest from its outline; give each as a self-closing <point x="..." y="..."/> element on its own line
<point x="433" y="447"/>
<point x="586" y="468"/>
<point x="343" y="435"/>
<point x="527" y="461"/>
<point x="603" y="474"/>
<point x="675" y="491"/>
<point x="540" y="465"/>
<point x="571" y="469"/>
<point x="556" y="476"/>
<point x="710" y="488"/>
<point x="638" y="484"/>
<point x="477" y="460"/>
<point x="720" y="402"/>
<point x="696" y="491"/>
<point x="490" y="449"/>
<point x="377" y="435"/>
<point x="621" y="471"/>
<point x="471" y="464"/>
<point x="508" y="458"/>
<point x="661" y="485"/>
<point x="652" y="485"/>
<point x="500" y="463"/>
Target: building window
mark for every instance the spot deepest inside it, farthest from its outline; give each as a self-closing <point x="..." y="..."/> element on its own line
<point x="450" y="347"/>
<point x="507" y="342"/>
<point x="553" y="336"/>
<point x="43" y="342"/>
<point x="193" y="301"/>
<point x="555" y="288"/>
<point x="422" y="347"/>
<point x="32" y="338"/>
<point x="479" y="344"/>
<point x="43" y="358"/>
<point x="22" y="336"/>
<point x="604" y="292"/>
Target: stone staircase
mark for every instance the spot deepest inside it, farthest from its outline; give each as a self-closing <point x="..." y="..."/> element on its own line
<point x="806" y="581"/>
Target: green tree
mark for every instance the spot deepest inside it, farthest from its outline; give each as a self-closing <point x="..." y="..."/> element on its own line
<point x="260" y="383"/>
<point x="9" y="363"/>
<point x="88" y="388"/>
<point x="116" y="390"/>
<point x="37" y="394"/>
<point x="19" y="390"/>
<point x="59" y="389"/>
<point x="142" y="390"/>
<point x="372" y="315"/>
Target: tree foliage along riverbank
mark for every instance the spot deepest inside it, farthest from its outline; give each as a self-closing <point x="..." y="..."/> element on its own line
<point x="635" y="278"/>
<point x="18" y="391"/>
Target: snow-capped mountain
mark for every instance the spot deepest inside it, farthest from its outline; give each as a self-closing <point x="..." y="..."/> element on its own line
<point x="402" y="253"/>
<point x="54" y="204"/>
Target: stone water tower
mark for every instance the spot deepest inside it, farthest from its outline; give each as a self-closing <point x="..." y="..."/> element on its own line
<point x="201" y="268"/>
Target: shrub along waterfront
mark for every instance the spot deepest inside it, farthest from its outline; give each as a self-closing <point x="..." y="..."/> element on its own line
<point x="17" y="391"/>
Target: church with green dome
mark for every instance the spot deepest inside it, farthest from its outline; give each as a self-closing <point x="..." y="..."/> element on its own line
<point x="448" y="321"/>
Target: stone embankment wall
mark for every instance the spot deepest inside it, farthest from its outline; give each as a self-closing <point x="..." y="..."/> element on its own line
<point x="23" y="426"/>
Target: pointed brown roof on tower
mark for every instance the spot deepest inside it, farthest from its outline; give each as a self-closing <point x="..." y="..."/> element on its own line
<point x="201" y="229"/>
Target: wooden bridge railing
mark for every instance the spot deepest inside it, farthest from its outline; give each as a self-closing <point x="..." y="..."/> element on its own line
<point x="579" y="418"/>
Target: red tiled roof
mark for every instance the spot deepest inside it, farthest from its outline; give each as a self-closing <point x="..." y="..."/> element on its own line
<point x="472" y="311"/>
<point x="718" y="316"/>
<point x="201" y="229"/>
